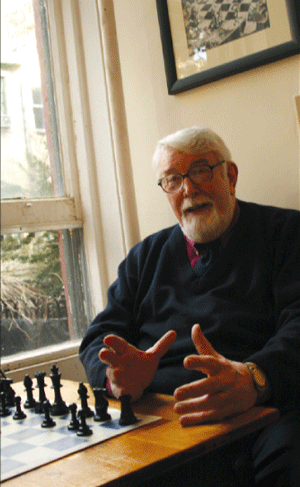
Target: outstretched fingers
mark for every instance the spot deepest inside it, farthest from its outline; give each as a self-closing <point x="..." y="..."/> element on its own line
<point x="163" y="344"/>
<point x="201" y="343"/>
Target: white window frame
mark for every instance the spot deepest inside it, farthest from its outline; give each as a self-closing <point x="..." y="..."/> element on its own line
<point x="92" y="200"/>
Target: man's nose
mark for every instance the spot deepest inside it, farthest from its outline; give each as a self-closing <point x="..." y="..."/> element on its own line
<point x="189" y="187"/>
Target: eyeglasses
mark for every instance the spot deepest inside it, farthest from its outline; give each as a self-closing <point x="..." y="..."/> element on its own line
<point x="198" y="175"/>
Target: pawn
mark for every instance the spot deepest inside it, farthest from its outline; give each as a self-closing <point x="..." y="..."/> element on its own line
<point x="101" y="405"/>
<point x="82" y="391"/>
<point x="19" y="414"/>
<point x="127" y="416"/>
<point x="84" y="429"/>
<point x="48" y="421"/>
<point x="74" y="423"/>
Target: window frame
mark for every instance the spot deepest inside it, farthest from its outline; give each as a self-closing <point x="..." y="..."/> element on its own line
<point x="80" y="166"/>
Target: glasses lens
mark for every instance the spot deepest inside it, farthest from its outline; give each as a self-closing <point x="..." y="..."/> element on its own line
<point x="200" y="174"/>
<point x="171" y="183"/>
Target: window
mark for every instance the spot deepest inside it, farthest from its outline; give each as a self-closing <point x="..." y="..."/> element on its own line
<point x="38" y="108"/>
<point x="5" y="120"/>
<point x="45" y="292"/>
<point x="67" y="191"/>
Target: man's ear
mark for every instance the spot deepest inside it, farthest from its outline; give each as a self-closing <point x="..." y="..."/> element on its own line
<point x="232" y="173"/>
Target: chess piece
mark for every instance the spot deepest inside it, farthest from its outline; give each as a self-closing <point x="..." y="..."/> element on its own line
<point x="8" y="391"/>
<point x="48" y="421"/>
<point x="74" y="423"/>
<point x="19" y="414"/>
<point x="127" y="416"/>
<point x="41" y="386"/>
<point x="30" y="401"/>
<point x="101" y="405"/>
<point x="84" y="429"/>
<point x="82" y="391"/>
<point x="59" y="407"/>
<point x="4" y="410"/>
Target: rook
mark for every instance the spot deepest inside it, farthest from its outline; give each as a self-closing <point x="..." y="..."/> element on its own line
<point x="101" y="405"/>
<point x="127" y="416"/>
<point x="74" y="423"/>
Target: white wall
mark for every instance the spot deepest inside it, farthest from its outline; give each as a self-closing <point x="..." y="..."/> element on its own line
<point x="253" y="111"/>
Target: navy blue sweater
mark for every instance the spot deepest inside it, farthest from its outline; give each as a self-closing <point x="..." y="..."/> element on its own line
<point x="247" y="302"/>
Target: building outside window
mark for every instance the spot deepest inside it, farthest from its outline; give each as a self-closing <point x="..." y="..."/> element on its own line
<point x="44" y="285"/>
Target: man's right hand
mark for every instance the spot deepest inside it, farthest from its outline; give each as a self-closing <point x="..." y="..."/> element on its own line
<point x="130" y="370"/>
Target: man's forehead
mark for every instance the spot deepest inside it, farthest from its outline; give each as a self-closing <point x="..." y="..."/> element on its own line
<point x="174" y="160"/>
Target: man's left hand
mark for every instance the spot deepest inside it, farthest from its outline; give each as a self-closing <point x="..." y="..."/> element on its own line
<point x="227" y="390"/>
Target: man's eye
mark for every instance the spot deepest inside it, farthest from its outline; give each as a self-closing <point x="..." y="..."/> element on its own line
<point x="172" y="179"/>
<point x="198" y="171"/>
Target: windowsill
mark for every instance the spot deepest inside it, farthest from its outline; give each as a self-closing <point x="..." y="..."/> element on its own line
<point x="44" y="355"/>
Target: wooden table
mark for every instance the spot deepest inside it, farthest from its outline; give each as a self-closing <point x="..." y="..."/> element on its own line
<point x="143" y="453"/>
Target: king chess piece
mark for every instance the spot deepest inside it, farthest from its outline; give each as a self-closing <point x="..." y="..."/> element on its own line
<point x="59" y="407"/>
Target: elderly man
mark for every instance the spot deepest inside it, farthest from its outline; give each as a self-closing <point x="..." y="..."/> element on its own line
<point x="209" y="310"/>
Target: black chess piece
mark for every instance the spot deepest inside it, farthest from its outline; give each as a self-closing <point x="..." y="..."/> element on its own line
<point x="82" y="391"/>
<point x="59" y="407"/>
<point x="4" y="410"/>
<point x="48" y="422"/>
<point x="84" y="429"/>
<point x="127" y="416"/>
<point x="41" y="387"/>
<point x="30" y="401"/>
<point x="8" y="391"/>
<point x="19" y="414"/>
<point x="74" y="423"/>
<point x="101" y="405"/>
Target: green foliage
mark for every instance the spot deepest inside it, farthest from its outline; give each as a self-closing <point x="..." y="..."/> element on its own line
<point x="37" y="261"/>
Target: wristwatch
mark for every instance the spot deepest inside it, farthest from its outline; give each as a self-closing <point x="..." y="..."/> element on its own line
<point x="260" y="382"/>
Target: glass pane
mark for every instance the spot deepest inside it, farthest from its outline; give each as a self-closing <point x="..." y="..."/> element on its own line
<point x="35" y="301"/>
<point x="29" y="141"/>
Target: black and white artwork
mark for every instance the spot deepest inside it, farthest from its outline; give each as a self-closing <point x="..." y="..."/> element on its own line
<point x="212" y="23"/>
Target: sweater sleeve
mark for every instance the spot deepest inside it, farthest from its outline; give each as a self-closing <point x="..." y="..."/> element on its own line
<point x="280" y="357"/>
<point x="116" y="318"/>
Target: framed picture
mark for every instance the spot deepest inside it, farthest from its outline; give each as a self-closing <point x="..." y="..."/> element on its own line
<point x="205" y="40"/>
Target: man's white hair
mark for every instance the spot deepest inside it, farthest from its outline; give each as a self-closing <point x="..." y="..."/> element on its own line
<point x="193" y="140"/>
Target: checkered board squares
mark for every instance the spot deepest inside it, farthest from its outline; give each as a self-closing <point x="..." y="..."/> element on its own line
<point x="25" y="445"/>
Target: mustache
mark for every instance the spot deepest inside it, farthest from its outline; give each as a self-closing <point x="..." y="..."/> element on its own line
<point x="194" y="204"/>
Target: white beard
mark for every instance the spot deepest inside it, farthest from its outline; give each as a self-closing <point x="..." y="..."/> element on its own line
<point x="206" y="228"/>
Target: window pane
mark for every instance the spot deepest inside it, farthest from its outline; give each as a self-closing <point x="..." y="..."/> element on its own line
<point x="35" y="302"/>
<point x="29" y="142"/>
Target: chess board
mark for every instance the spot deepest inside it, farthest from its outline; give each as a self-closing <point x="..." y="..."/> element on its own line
<point x="210" y="23"/>
<point x="25" y="445"/>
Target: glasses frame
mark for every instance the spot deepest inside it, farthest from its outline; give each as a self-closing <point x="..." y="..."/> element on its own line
<point x="187" y="175"/>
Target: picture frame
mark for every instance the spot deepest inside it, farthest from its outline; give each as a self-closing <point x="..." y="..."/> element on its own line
<point x="206" y="40"/>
